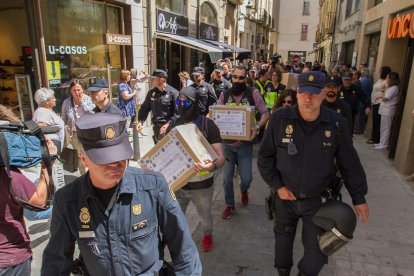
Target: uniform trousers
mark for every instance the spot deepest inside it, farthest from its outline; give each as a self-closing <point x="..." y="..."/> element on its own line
<point x="386" y="122"/>
<point x="287" y="215"/>
<point x="202" y="199"/>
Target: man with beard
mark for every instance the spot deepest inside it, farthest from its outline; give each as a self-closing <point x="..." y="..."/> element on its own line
<point x="207" y="96"/>
<point x="226" y="72"/>
<point x="333" y="102"/>
<point x="354" y="96"/>
<point x="199" y="189"/>
<point x="116" y="214"/>
<point x="240" y="152"/>
<point x="219" y="83"/>
<point x="161" y="101"/>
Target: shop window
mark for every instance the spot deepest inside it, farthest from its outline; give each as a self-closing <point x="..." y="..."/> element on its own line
<point x="306" y="8"/>
<point x="74" y="32"/>
<point x="175" y="6"/>
<point x="304" y="32"/>
<point x="208" y="14"/>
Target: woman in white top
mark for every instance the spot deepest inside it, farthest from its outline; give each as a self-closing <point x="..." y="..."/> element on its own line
<point x="45" y="116"/>
<point x="378" y="89"/>
<point x="387" y="109"/>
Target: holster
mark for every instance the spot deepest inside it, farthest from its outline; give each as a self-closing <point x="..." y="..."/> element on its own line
<point x="270" y="206"/>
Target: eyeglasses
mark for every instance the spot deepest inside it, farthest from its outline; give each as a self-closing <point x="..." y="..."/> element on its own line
<point x="186" y="103"/>
<point x="288" y="102"/>
<point x="235" y="77"/>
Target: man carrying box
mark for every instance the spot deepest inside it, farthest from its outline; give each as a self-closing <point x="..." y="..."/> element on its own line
<point x="199" y="189"/>
<point x="240" y="152"/>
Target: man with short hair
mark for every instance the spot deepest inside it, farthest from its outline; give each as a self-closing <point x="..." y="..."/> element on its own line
<point x="205" y="90"/>
<point x="240" y="152"/>
<point x="296" y="160"/>
<point x="100" y="97"/>
<point x="334" y="103"/>
<point x="219" y="83"/>
<point x="226" y="72"/>
<point x="119" y="216"/>
<point x="161" y="101"/>
<point x="260" y="83"/>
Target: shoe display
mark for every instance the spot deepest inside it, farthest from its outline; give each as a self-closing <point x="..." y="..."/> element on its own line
<point x="228" y="212"/>
<point x="207" y="243"/>
<point x="244" y="198"/>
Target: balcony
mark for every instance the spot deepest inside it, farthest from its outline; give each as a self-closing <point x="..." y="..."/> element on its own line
<point x="262" y="17"/>
<point x="329" y="24"/>
<point x="236" y="2"/>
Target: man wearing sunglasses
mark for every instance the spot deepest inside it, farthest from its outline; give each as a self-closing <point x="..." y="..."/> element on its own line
<point x="161" y="101"/>
<point x="199" y="190"/>
<point x="207" y="96"/>
<point x="296" y="160"/>
<point x="240" y="152"/>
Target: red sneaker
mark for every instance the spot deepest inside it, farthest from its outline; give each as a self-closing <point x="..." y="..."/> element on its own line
<point x="207" y="243"/>
<point x="228" y="212"/>
<point x="244" y="198"/>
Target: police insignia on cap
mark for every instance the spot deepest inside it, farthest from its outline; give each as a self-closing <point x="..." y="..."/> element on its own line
<point x="136" y="209"/>
<point x="84" y="216"/>
<point x="328" y="133"/>
<point x="311" y="78"/>
<point x="92" y="81"/>
<point x="173" y="195"/>
<point x="289" y="130"/>
<point x="110" y="133"/>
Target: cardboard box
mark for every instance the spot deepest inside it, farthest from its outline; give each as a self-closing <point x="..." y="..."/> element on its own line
<point x="290" y="80"/>
<point x="234" y="122"/>
<point x="174" y="156"/>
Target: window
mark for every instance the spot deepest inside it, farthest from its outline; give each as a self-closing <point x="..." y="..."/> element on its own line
<point x="207" y="14"/>
<point x="377" y="2"/>
<point x="304" y="32"/>
<point x="174" y="6"/>
<point x="351" y="7"/>
<point x="306" y="6"/>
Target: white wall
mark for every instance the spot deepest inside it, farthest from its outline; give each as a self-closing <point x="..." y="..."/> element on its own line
<point x="139" y="40"/>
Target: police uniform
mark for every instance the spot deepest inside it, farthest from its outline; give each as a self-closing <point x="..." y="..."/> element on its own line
<point x="353" y="96"/>
<point x="162" y="105"/>
<point x="272" y="93"/>
<point x="341" y="107"/>
<point x="300" y="156"/>
<point x="207" y="96"/>
<point x="220" y="86"/>
<point x="122" y="238"/>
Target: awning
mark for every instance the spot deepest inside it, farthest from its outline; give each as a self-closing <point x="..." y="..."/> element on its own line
<point x="242" y="52"/>
<point x="213" y="51"/>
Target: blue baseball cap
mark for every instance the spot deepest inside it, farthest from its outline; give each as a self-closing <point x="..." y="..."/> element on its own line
<point x="104" y="137"/>
<point x="311" y="82"/>
<point x="97" y="84"/>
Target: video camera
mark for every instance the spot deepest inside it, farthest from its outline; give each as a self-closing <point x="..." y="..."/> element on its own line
<point x="275" y="59"/>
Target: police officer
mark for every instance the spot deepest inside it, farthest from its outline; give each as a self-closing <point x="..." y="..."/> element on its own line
<point x="114" y="212"/>
<point x="219" y="83"/>
<point x="354" y="96"/>
<point x="296" y="160"/>
<point x="100" y="97"/>
<point x="161" y="101"/>
<point x="260" y="83"/>
<point x="333" y="102"/>
<point x="207" y="96"/>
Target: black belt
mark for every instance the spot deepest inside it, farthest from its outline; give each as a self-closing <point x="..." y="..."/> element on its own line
<point x="308" y="195"/>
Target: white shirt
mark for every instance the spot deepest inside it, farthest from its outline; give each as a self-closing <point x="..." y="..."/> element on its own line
<point x="379" y="86"/>
<point x="388" y="107"/>
<point x="49" y="117"/>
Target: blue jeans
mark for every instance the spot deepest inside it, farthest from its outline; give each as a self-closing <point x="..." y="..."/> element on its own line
<point x="33" y="215"/>
<point x="23" y="269"/>
<point x="242" y="156"/>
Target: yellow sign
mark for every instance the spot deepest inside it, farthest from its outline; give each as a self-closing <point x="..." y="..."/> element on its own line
<point x="53" y="72"/>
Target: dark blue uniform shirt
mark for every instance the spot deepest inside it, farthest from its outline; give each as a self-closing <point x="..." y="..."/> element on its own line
<point x="124" y="240"/>
<point x="311" y="170"/>
<point x="161" y="103"/>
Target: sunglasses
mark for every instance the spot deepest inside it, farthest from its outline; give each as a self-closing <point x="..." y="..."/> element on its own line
<point x="288" y="102"/>
<point x="235" y="77"/>
<point x="186" y="103"/>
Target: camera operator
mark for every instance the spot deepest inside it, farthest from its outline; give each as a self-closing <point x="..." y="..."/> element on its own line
<point x="15" y="252"/>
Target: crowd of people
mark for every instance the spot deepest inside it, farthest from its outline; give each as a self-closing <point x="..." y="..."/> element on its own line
<point x="112" y="204"/>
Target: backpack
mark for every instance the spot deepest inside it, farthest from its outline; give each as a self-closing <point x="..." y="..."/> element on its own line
<point x="24" y="146"/>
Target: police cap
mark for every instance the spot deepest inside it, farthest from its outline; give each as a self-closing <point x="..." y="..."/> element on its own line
<point x="188" y="92"/>
<point x="104" y="137"/>
<point x="198" y="71"/>
<point x="311" y="82"/>
<point x="347" y="76"/>
<point x="97" y="84"/>
<point x="160" y="74"/>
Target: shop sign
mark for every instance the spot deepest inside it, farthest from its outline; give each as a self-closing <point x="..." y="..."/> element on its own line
<point x="401" y="26"/>
<point x="297" y="56"/>
<point x="118" y="39"/>
<point x="67" y="50"/>
<point x="53" y="72"/>
<point x="171" y="23"/>
<point x="208" y="31"/>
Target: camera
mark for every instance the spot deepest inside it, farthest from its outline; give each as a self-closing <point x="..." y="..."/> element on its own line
<point x="276" y="58"/>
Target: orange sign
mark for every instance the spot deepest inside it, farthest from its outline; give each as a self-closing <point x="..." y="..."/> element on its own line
<point x="401" y="26"/>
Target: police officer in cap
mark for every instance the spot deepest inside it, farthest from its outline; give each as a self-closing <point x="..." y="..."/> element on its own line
<point x="207" y="96"/>
<point x="333" y="102"/>
<point x="353" y="95"/>
<point x="116" y="213"/>
<point x="219" y="83"/>
<point x="296" y="159"/>
<point x="161" y="101"/>
<point x="100" y="97"/>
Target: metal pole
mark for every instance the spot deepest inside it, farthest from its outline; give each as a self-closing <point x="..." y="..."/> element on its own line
<point x="135" y="136"/>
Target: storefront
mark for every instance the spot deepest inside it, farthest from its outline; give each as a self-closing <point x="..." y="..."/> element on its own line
<point x="56" y="41"/>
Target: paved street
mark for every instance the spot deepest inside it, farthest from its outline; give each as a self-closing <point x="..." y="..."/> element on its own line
<point x="243" y="245"/>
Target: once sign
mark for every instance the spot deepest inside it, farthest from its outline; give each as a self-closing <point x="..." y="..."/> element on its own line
<point x="118" y="39"/>
<point x="401" y="26"/>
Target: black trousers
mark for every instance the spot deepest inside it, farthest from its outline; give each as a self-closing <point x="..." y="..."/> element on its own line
<point x="376" y="124"/>
<point x="156" y="128"/>
<point x="287" y="215"/>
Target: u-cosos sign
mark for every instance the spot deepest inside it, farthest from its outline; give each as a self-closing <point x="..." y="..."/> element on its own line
<point x="401" y="26"/>
<point x="118" y="39"/>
